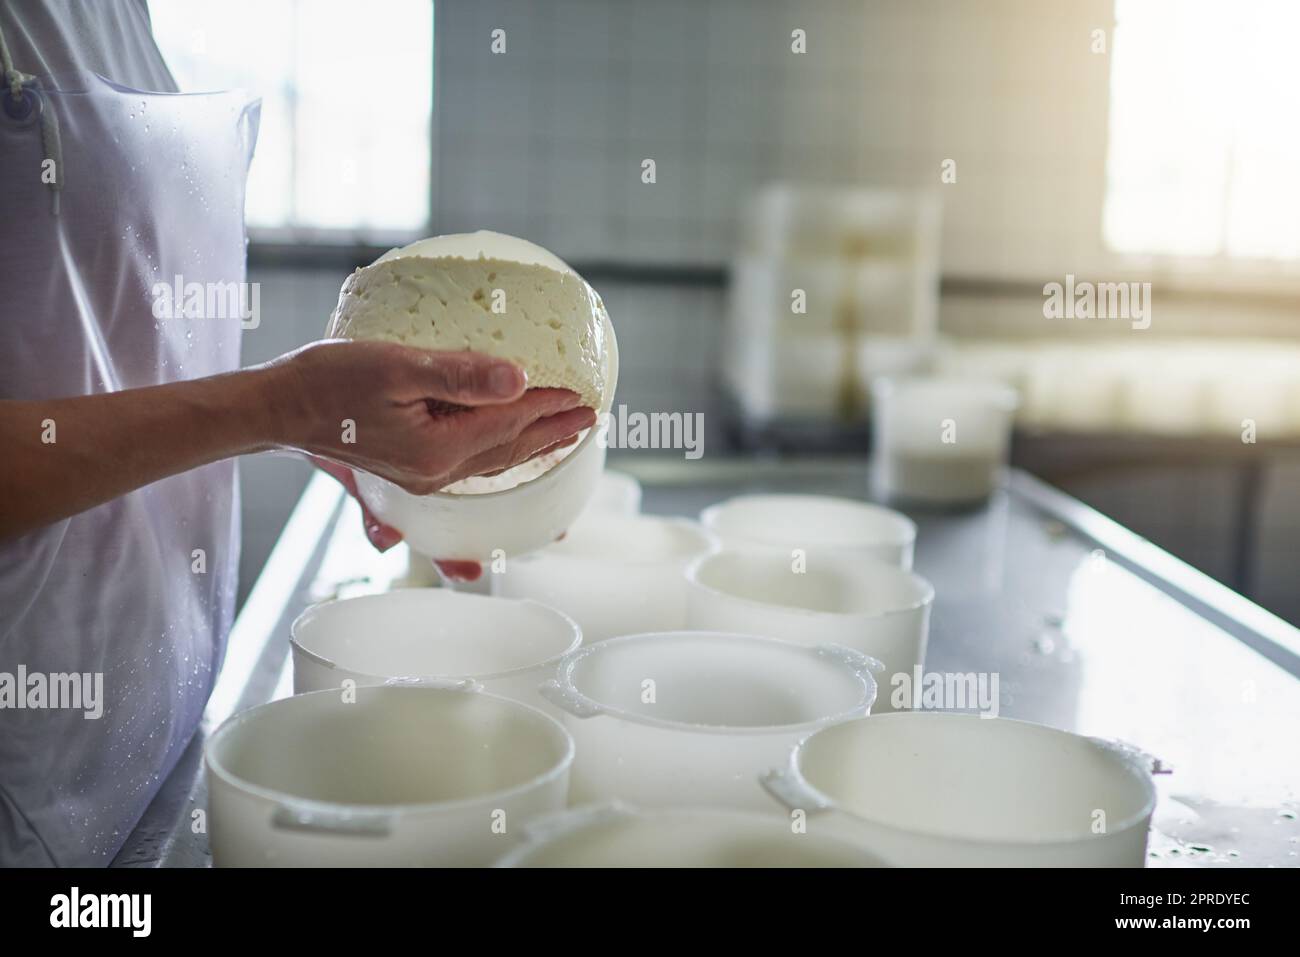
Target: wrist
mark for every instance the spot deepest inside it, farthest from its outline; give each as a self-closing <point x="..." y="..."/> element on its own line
<point x="276" y="407"/>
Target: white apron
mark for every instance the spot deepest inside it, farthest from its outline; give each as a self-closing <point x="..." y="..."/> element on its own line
<point x="150" y="186"/>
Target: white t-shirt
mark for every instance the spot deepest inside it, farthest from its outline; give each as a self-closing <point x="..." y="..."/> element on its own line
<point x="140" y="590"/>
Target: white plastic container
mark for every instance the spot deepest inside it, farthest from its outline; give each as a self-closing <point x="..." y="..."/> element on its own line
<point x="399" y="777"/>
<point x="692" y="718"/>
<point x="832" y="285"/>
<point x="842" y="527"/>
<point x="614" y="574"/>
<point x="869" y="605"/>
<point x="431" y="635"/>
<point x="617" y="493"/>
<point x="518" y="519"/>
<point x="514" y="521"/>
<point x="614" y="835"/>
<point x="958" y="790"/>
<point x="875" y="296"/>
<point x="784" y="374"/>
<point x="940" y="441"/>
<point x="998" y="360"/>
<point x="854" y="223"/>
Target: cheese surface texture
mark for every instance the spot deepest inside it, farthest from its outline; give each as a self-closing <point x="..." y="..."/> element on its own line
<point x="506" y="298"/>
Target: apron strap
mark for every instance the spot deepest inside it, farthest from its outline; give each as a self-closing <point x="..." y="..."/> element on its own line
<point x="13" y="77"/>
<point x="50" y="138"/>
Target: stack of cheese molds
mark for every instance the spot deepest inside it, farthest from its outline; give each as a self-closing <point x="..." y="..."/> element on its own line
<point x="832" y="286"/>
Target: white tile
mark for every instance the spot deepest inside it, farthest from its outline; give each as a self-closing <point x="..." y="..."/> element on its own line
<point x="888" y="90"/>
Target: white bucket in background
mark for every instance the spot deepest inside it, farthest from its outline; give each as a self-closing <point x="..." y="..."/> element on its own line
<point x="398" y="777"/>
<point x="843" y="526"/>
<point x="820" y="222"/>
<point x="614" y="574"/>
<point x="614" y="835"/>
<point x="877" y="296"/>
<point x="693" y="718"/>
<point x="940" y="441"/>
<point x="421" y="572"/>
<point x="431" y="636"/>
<point x="783" y="373"/>
<point x="958" y="790"/>
<point x="617" y="493"/>
<point x="873" y="607"/>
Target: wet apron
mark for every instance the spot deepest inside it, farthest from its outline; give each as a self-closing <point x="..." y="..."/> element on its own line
<point x="117" y="197"/>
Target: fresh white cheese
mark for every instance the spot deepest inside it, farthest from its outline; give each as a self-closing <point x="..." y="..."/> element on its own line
<point x="495" y="294"/>
<point x="529" y="308"/>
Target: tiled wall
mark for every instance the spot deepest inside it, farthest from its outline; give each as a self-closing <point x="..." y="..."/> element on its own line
<point x="547" y="139"/>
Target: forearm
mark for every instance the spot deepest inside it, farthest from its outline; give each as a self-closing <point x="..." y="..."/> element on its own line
<point x="68" y="455"/>
<point x="361" y="404"/>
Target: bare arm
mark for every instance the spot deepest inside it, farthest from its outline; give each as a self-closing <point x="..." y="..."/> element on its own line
<point x="68" y="455"/>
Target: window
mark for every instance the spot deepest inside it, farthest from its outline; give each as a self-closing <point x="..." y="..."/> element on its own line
<point x="1204" y="156"/>
<point x="343" y="153"/>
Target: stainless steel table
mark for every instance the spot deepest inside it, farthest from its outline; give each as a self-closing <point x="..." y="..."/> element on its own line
<point x="1089" y="627"/>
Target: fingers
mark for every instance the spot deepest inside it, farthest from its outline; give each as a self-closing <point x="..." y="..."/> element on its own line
<point x="515" y="442"/>
<point x="475" y="431"/>
<point x="341" y="473"/>
<point x="437" y="417"/>
<point x="382" y="536"/>
<point x="542" y="436"/>
<point x="463" y="378"/>
<point x="460" y="571"/>
<point x="537" y="455"/>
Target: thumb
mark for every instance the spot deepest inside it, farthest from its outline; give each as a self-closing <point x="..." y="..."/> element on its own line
<point x="465" y="378"/>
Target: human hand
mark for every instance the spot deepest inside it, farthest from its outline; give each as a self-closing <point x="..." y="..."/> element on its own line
<point x="423" y="397"/>
<point x="419" y="418"/>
